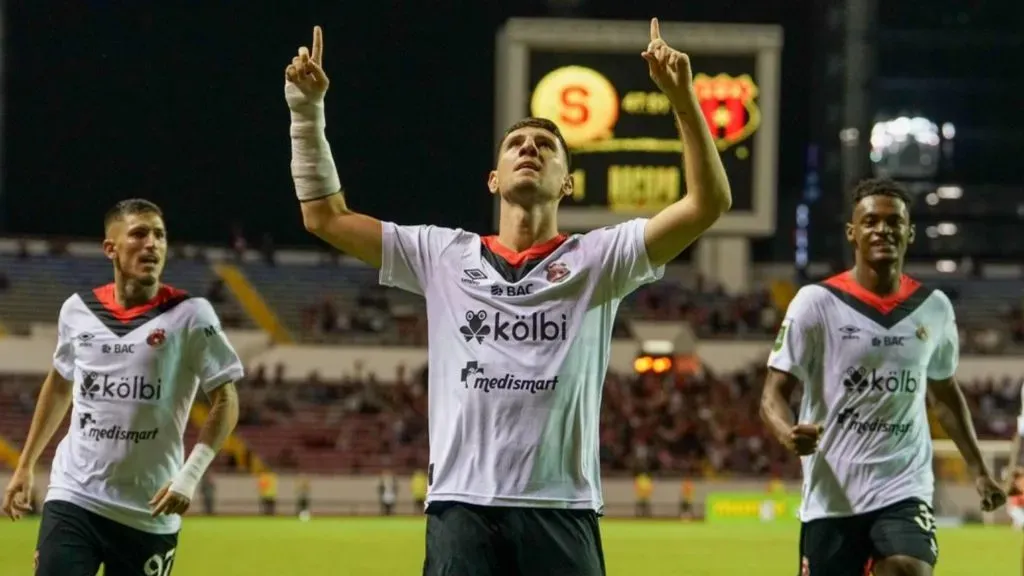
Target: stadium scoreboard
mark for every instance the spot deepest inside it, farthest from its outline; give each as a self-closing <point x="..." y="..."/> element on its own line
<point x="588" y="78"/>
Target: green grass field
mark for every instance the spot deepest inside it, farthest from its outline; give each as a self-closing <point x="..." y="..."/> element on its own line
<point x="394" y="547"/>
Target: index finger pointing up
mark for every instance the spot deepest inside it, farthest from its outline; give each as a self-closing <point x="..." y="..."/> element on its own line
<point x="655" y="29"/>
<point x="318" y="45"/>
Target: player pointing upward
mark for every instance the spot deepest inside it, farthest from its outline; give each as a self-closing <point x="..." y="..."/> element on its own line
<point x="520" y="326"/>
<point x="130" y="357"/>
<point x="867" y="346"/>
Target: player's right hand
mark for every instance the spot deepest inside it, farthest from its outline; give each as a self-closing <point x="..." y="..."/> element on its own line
<point x="306" y="73"/>
<point x="803" y="438"/>
<point x="17" y="500"/>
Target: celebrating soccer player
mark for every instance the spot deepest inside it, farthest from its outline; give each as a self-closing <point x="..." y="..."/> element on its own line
<point x="870" y="346"/>
<point x="520" y="326"/>
<point x="130" y="357"/>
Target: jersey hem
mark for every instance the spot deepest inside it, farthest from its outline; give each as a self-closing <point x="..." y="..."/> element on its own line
<point x="514" y="502"/>
<point x="789" y="367"/>
<point x="233" y="375"/>
<point x="947" y="377"/>
<point x="111" y="512"/>
<point x="69" y="375"/>
<point x="875" y="508"/>
<point x="387" y="260"/>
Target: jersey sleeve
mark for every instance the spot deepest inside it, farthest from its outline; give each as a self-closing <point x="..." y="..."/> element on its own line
<point x="798" y="345"/>
<point x="622" y="253"/>
<point x="410" y="254"/>
<point x="212" y="357"/>
<point x="64" y="355"/>
<point x="946" y="358"/>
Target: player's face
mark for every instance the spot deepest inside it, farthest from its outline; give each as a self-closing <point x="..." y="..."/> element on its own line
<point x="531" y="168"/>
<point x="137" y="244"/>
<point x="880" y="229"/>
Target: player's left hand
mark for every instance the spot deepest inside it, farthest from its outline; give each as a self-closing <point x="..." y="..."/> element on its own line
<point x="169" y="502"/>
<point x="670" y="69"/>
<point x="992" y="496"/>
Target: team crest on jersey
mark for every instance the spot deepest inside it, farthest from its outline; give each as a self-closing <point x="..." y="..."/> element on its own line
<point x="156" y="338"/>
<point x="556" y="272"/>
<point x="922" y="333"/>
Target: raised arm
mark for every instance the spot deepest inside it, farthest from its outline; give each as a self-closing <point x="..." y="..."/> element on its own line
<point x="324" y="211"/>
<point x="708" y="195"/>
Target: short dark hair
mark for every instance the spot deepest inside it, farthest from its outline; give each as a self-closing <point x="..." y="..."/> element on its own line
<point x="130" y="206"/>
<point x="543" y="124"/>
<point x="881" y="187"/>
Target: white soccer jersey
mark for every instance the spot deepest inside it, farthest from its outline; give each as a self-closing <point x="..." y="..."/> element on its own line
<point x="516" y="368"/>
<point x="135" y="375"/>
<point x="864" y="362"/>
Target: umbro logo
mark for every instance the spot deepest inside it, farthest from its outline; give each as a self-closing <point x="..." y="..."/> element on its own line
<point x="84" y="339"/>
<point x="850" y="332"/>
<point x="473" y="276"/>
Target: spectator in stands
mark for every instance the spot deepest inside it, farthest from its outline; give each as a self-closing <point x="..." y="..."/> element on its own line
<point x="418" y="488"/>
<point x="387" y="492"/>
<point x="215" y="292"/>
<point x="267" y="487"/>
<point x="208" y="490"/>
<point x="268" y="250"/>
<point x="643" y="486"/>
<point x="238" y="243"/>
<point x="303" y="497"/>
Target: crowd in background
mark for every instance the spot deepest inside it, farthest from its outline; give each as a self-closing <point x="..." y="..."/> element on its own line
<point x="700" y="424"/>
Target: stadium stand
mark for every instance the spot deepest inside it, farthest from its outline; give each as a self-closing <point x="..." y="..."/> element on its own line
<point x="699" y="424"/>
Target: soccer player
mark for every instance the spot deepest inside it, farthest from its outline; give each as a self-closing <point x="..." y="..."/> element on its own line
<point x="130" y="357"/>
<point x="868" y="346"/>
<point x="1013" y="477"/>
<point x="520" y="326"/>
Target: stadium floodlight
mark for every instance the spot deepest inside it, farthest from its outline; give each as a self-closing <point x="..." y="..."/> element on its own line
<point x="907" y="147"/>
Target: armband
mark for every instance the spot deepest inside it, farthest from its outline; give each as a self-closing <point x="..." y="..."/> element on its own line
<point x="313" y="169"/>
<point x="187" y="479"/>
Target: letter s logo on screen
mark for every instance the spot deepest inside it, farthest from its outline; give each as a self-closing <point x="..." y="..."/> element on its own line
<point x="580" y="101"/>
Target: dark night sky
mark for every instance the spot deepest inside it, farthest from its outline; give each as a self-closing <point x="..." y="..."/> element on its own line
<point x="184" y="105"/>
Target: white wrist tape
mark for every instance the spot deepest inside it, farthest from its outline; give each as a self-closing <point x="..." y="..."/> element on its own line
<point x="187" y="479"/>
<point x="313" y="169"/>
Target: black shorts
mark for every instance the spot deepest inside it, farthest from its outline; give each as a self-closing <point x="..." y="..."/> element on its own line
<point x="468" y="540"/>
<point x="849" y="546"/>
<point x="74" y="542"/>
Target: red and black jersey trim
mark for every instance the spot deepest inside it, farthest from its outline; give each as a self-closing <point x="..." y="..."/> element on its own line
<point x="514" y="266"/>
<point x="102" y="302"/>
<point x="886" y="311"/>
